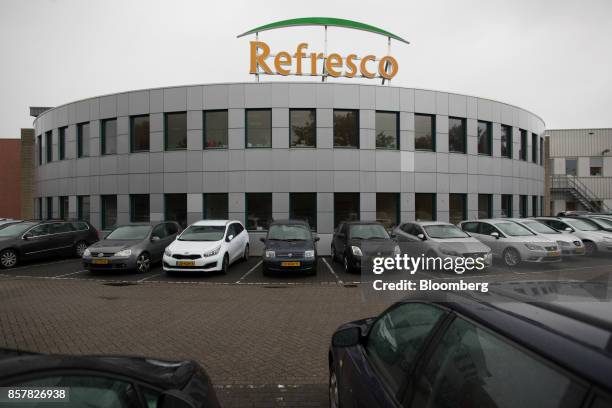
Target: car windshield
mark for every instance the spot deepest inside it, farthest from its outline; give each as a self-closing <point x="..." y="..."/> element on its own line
<point x="444" y="231"/>
<point x="286" y="232"/>
<point x="582" y="225"/>
<point x="130" y="232"/>
<point x="513" y="229"/>
<point x="14" y="229"/>
<point x="368" y="231"/>
<point x="203" y="233"/>
<point x="539" y="227"/>
<point x="604" y="222"/>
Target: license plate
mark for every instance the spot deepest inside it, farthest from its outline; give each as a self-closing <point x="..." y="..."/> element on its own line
<point x="99" y="261"/>
<point x="579" y="250"/>
<point x="554" y="253"/>
<point x="290" y="264"/>
<point x="185" y="263"/>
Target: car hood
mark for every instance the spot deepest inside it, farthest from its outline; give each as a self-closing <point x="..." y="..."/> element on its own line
<point x="462" y="245"/>
<point x="113" y="245"/>
<point x="560" y="237"/>
<point x="192" y="247"/>
<point x="289" y="245"/>
<point x="532" y="238"/>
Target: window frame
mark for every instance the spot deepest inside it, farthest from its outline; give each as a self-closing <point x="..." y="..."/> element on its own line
<point x="48" y="146"/>
<point x="103" y="136"/>
<point x="166" y="135"/>
<point x="61" y="142"/>
<point x="292" y="216"/>
<point x="133" y="206"/>
<point x="204" y="112"/>
<point x="465" y="139"/>
<point x="39" y="150"/>
<point x="523" y="150"/>
<point x="510" y="212"/>
<point x="433" y="132"/>
<point x="132" y="133"/>
<point x="464" y="200"/>
<point x="534" y="148"/>
<point x="205" y="214"/>
<point x="246" y="210"/>
<point x="434" y="205"/>
<point x="489" y="138"/>
<point x="246" y="127"/>
<point x="397" y="130"/>
<point x="489" y="205"/>
<point x="49" y="207"/>
<point x="61" y="201"/>
<point x="103" y="225"/>
<point x="509" y="142"/>
<point x="314" y="110"/>
<point x="357" y="119"/>
<point x="397" y="215"/>
<point x="80" y="207"/>
<point x="79" y="139"/>
<point x="338" y="193"/>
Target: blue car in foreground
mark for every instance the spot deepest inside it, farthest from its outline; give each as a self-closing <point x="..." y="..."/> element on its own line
<point x="495" y="349"/>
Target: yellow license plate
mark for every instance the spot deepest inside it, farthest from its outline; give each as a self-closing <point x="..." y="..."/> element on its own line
<point x="554" y="253"/>
<point x="579" y="250"/>
<point x="290" y="264"/>
<point x="99" y="261"/>
<point x="185" y="263"/>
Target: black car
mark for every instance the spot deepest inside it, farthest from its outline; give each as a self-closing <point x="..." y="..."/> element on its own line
<point x="40" y="239"/>
<point x="494" y="349"/>
<point x="107" y="381"/>
<point x="356" y="241"/>
<point x="289" y="246"/>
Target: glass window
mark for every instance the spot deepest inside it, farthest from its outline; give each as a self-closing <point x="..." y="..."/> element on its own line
<point x="61" y="145"/>
<point x="470" y="227"/>
<point x="303" y="127"/>
<point x="83" y="208"/>
<point x="60" y="227"/>
<point x="289" y="231"/>
<point x="534" y="148"/>
<point x="485" y="206"/>
<point x="130" y="232"/>
<point x="425" y="206"/>
<point x="596" y="166"/>
<point x="506" y="141"/>
<point x="215" y="129"/>
<point x="424" y="132"/>
<point x="523" y="151"/>
<point x="571" y="166"/>
<point x="523" y="206"/>
<point x="83" y="139"/>
<point x="397" y="338"/>
<point x="109" y="211"/>
<point x="457" y="205"/>
<point x="346" y="207"/>
<point x="215" y="206"/>
<point x="367" y="231"/>
<point x="534" y="206"/>
<point x="63" y="207"/>
<point x="39" y="209"/>
<point x="387" y="130"/>
<point x="49" y="208"/>
<point x="444" y="231"/>
<point x="176" y="130"/>
<point x="109" y="136"/>
<point x="457" y="135"/>
<point x="387" y="209"/>
<point x="38" y="231"/>
<point x="346" y="128"/>
<point x="259" y="210"/>
<point x="258" y="128"/>
<point x="485" y="139"/>
<point x="303" y="206"/>
<point x="175" y="208"/>
<point x="541" y="151"/>
<point x="139" y="208"/>
<point x="49" y="146"/>
<point x="506" y="205"/>
<point x="139" y="133"/>
<point x="39" y="148"/>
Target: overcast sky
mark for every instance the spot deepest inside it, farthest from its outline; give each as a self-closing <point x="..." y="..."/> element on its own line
<point x="552" y="57"/>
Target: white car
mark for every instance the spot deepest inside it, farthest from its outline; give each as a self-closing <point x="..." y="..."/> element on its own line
<point x="207" y="246"/>
<point x="595" y="239"/>
<point x="569" y="244"/>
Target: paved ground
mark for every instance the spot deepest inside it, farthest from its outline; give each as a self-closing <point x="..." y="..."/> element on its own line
<point x="262" y="339"/>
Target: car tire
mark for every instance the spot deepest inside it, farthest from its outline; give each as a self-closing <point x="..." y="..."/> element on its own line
<point x="225" y="264"/>
<point x="589" y="248"/>
<point x="334" y="397"/>
<point x="511" y="257"/>
<point x="143" y="263"/>
<point x="8" y="258"/>
<point x="245" y="255"/>
<point x="79" y="248"/>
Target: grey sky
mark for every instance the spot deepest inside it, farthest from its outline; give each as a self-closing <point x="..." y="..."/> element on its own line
<point x="552" y="57"/>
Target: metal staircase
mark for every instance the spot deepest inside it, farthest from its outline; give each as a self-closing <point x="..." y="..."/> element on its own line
<point x="568" y="184"/>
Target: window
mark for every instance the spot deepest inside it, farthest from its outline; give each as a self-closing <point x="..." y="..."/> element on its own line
<point x="215" y="206"/>
<point x="387" y="130"/>
<point x="457" y="205"/>
<point x="259" y="211"/>
<point x="457" y="135"/>
<point x="83" y="208"/>
<point x="303" y="127"/>
<point x="571" y="166"/>
<point x="175" y="208"/>
<point x="506" y="205"/>
<point x="534" y="206"/>
<point x="108" y="137"/>
<point x="139" y="133"/>
<point x="303" y="206"/>
<point x="346" y="128"/>
<point x="523" y="151"/>
<point x="39" y="208"/>
<point x="346" y="207"/>
<point x="472" y="367"/>
<point x="398" y="336"/>
<point x="63" y="207"/>
<point x="109" y="211"/>
<point x="49" y="146"/>
<point x="49" y="208"/>
<point x="424" y="132"/>
<point x="388" y="209"/>
<point x="485" y="139"/>
<point x="83" y="139"/>
<point x="506" y="141"/>
<point x="61" y="145"/>
<point x="425" y="206"/>
<point x="596" y="166"/>
<point x="258" y="128"/>
<point x="39" y="148"/>
<point x="523" y="206"/>
<point x="534" y="148"/>
<point x="485" y="206"/>
<point x="215" y="129"/>
<point x="176" y="130"/>
<point x="139" y="208"/>
<point x="541" y="151"/>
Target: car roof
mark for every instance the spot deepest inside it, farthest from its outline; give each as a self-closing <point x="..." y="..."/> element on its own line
<point x="362" y="223"/>
<point x="214" y="222"/>
<point x="426" y="223"/>
<point x="290" y="221"/>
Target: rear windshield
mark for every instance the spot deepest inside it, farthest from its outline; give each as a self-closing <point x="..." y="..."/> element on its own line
<point x="203" y="233"/>
<point x="444" y="231"/>
<point x="130" y="232"/>
<point x="539" y="227"/>
<point x="368" y="231"/>
<point x="582" y="225"/>
<point x="513" y="229"/>
<point x="15" y="229"/>
<point x="288" y="232"/>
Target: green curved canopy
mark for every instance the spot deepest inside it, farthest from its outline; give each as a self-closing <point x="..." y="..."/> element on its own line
<point x="324" y="21"/>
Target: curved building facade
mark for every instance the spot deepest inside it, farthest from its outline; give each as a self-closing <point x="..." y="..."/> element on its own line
<point x="260" y="151"/>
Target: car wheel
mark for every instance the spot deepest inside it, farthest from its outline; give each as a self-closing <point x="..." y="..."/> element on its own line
<point x="589" y="248"/>
<point x="80" y="248"/>
<point x="334" y="397"/>
<point x="511" y="257"/>
<point x="245" y="256"/>
<point x="143" y="263"/>
<point x="225" y="264"/>
<point x="8" y="258"/>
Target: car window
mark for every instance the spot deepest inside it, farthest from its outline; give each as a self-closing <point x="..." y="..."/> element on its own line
<point x="513" y="229"/>
<point x="342" y="229"/>
<point x="558" y="225"/>
<point x="582" y="225"/>
<point x="487" y="229"/>
<point x="80" y="226"/>
<point x="231" y="230"/>
<point x="130" y="232"/>
<point x="397" y="337"/>
<point x="60" y="227"/>
<point x="171" y="228"/>
<point x="470" y="227"/>
<point x="42" y="229"/>
<point x="606" y="222"/>
<point x="239" y="228"/>
<point x="289" y="232"/>
<point x="539" y="227"/>
<point x="473" y="368"/>
<point x="368" y="231"/>
<point x="159" y="231"/>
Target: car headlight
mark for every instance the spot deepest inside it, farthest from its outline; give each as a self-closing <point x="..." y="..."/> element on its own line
<point x="212" y="252"/>
<point x="397" y="250"/>
<point x="356" y="251"/>
<point x="124" y="253"/>
<point x="563" y="243"/>
<point x="534" y="247"/>
<point x="270" y="254"/>
<point x="87" y="252"/>
<point x="167" y="252"/>
<point x="309" y="254"/>
<point x="450" y="252"/>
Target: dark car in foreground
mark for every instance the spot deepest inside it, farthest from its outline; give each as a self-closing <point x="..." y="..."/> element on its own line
<point x="355" y="242"/>
<point x="289" y="246"/>
<point x="107" y="381"/>
<point x="132" y="247"/>
<point x="494" y="349"/>
<point x="27" y="240"/>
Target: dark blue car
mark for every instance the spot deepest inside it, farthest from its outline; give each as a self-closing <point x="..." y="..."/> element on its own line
<point x="496" y="349"/>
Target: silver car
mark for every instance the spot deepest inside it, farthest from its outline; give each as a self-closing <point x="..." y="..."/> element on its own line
<point x="595" y="239"/>
<point x="512" y="242"/>
<point x="569" y="244"/>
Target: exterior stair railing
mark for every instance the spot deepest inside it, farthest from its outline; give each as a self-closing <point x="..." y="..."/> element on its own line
<point x="572" y="185"/>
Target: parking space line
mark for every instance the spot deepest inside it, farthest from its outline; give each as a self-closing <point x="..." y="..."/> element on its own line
<point x="43" y="264"/>
<point x="71" y="273"/>
<point x="149" y="277"/>
<point x="331" y="270"/>
<point x="249" y="271"/>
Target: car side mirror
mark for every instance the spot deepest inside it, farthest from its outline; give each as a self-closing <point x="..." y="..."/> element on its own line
<point x="348" y="337"/>
<point x="393" y="235"/>
<point x="155" y="238"/>
<point x="568" y="229"/>
<point x="317" y="239"/>
<point x="495" y="234"/>
<point x="27" y="236"/>
<point x="421" y="237"/>
<point x="262" y="239"/>
<point x="340" y="235"/>
<point x="174" y="399"/>
<point x="229" y="238"/>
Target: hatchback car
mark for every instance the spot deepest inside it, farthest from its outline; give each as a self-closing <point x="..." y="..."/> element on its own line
<point x="512" y="242"/>
<point x="603" y="222"/>
<point x="40" y="239"/>
<point x="131" y="247"/>
<point x="207" y="246"/>
<point x="289" y="246"/>
<point x="595" y="239"/>
<point x="494" y="349"/>
<point x="355" y="242"/>
<point x="569" y="244"/>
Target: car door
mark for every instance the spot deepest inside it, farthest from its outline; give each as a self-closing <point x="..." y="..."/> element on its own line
<point x="157" y="247"/>
<point x="497" y="245"/>
<point x="62" y="237"/>
<point x="242" y="236"/>
<point x="36" y="242"/>
<point x="172" y="230"/>
<point x="233" y="242"/>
